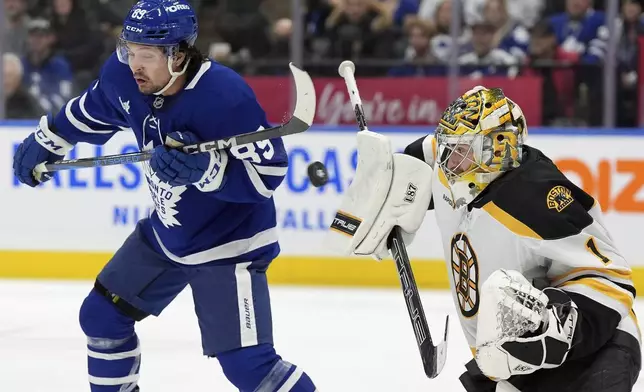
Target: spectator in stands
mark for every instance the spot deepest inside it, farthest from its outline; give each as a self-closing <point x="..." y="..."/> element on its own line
<point x="317" y="11"/>
<point x="420" y="61"/>
<point x="242" y="25"/>
<point x="78" y="41"/>
<point x="442" y="43"/>
<point x="209" y="35"/>
<point x="47" y="76"/>
<point x="484" y="58"/>
<point x="15" y="30"/>
<point x="525" y="12"/>
<point x="359" y="29"/>
<point x="510" y="36"/>
<point x="581" y="32"/>
<point x="631" y="27"/>
<point x="281" y="34"/>
<point x="404" y="9"/>
<point x="18" y="103"/>
<point x="548" y="61"/>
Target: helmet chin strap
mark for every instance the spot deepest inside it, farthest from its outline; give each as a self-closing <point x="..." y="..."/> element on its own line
<point x="173" y="75"/>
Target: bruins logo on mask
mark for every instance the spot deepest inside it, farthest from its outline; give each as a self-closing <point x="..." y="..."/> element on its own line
<point x="465" y="271"/>
<point x="559" y="198"/>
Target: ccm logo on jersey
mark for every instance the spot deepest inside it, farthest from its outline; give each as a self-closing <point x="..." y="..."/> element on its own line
<point x="559" y="198"/>
<point x="410" y="195"/>
<point x="345" y="224"/>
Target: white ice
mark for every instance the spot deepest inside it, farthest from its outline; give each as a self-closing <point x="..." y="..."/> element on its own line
<point x="345" y="339"/>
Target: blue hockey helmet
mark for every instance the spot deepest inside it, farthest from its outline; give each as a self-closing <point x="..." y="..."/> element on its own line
<point x="163" y="23"/>
<point x="160" y="23"/>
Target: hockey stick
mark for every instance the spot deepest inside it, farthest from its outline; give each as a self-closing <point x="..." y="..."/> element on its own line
<point x="433" y="356"/>
<point x="300" y="121"/>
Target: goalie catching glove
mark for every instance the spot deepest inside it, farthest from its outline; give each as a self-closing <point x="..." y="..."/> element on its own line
<point x="388" y="190"/>
<point x="521" y="329"/>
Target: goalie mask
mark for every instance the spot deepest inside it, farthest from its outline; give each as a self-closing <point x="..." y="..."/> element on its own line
<point x="479" y="137"/>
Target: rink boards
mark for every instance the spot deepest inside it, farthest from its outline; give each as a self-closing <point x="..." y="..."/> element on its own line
<point x="68" y="227"/>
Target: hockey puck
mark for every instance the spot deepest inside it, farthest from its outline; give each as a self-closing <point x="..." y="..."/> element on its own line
<point x="318" y="174"/>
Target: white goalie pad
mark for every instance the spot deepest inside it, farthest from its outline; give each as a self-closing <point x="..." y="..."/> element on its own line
<point x="388" y="190"/>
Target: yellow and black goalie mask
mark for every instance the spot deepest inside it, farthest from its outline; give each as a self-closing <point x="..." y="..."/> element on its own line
<point x="479" y="136"/>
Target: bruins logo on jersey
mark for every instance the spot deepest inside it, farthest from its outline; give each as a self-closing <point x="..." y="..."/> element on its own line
<point x="559" y="198"/>
<point x="465" y="271"/>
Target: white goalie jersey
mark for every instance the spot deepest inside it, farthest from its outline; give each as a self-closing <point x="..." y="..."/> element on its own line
<point x="535" y="221"/>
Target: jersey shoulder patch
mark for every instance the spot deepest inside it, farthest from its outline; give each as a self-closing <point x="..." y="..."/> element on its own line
<point x="537" y="200"/>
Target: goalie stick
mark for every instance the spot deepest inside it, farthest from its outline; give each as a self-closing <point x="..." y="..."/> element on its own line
<point x="433" y="356"/>
<point x="300" y="121"/>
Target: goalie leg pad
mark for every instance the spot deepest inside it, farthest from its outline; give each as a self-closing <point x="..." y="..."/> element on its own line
<point x="113" y="351"/>
<point x="259" y="368"/>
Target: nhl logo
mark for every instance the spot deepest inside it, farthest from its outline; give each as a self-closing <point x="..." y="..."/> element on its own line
<point x="158" y="102"/>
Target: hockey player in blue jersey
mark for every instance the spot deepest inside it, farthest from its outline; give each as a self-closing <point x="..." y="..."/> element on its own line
<point x="213" y="227"/>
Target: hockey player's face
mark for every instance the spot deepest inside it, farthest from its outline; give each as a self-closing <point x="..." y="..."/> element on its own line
<point x="149" y="67"/>
<point x="460" y="159"/>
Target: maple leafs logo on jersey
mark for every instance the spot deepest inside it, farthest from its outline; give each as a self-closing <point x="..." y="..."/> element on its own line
<point x="164" y="196"/>
<point x="559" y="198"/>
<point x="465" y="271"/>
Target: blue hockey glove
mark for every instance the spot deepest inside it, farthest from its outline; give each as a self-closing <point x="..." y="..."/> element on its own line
<point x="42" y="146"/>
<point x="173" y="166"/>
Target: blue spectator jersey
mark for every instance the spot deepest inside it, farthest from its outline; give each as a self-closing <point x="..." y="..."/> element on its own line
<point x="588" y="37"/>
<point x="49" y="83"/>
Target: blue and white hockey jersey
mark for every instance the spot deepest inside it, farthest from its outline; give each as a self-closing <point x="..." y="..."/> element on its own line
<point x="516" y="41"/>
<point x="587" y="37"/>
<point x="234" y="223"/>
<point x="50" y="83"/>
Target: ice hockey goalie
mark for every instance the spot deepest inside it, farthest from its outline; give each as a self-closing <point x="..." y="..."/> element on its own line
<point x="545" y="298"/>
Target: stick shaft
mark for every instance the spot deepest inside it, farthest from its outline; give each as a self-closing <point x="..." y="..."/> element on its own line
<point x="293" y="126"/>
<point x="347" y="71"/>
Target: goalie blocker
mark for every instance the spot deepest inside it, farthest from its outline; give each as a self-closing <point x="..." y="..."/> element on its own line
<point x="388" y="190"/>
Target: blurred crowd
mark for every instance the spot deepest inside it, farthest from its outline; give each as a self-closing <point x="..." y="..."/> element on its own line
<point x="54" y="48"/>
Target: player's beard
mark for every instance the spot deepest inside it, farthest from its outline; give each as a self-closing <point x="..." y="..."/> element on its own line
<point x="148" y="88"/>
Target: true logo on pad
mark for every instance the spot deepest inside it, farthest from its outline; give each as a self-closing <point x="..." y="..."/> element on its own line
<point x="345" y="224"/>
